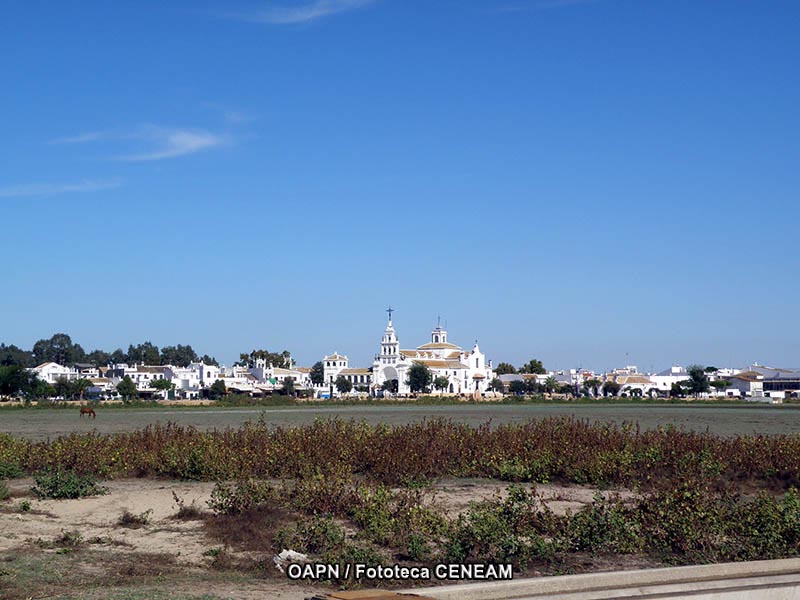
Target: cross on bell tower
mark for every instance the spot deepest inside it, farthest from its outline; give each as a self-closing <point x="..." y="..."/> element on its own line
<point x="390" y="310"/>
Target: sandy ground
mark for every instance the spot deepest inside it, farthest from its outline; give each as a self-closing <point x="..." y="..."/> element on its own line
<point x="187" y="541"/>
<point x="99" y="516"/>
<point x="454" y="495"/>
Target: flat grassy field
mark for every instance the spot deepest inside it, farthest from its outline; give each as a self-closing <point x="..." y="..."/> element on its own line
<point x="726" y="420"/>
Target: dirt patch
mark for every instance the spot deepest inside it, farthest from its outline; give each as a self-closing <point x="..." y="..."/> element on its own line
<point x="253" y="530"/>
<point x="60" y="546"/>
<point x="455" y="495"/>
<point x="99" y="516"/>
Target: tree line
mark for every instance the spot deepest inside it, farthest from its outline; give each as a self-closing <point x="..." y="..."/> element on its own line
<point x="62" y="350"/>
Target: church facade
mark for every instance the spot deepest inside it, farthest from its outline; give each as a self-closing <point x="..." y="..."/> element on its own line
<point x="467" y="371"/>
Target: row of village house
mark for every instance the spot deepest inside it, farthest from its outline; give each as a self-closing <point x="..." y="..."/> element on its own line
<point x="189" y="381"/>
<point x="756" y="382"/>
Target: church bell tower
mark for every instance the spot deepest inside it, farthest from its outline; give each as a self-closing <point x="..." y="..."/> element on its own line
<point x="390" y="347"/>
<point x="439" y="334"/>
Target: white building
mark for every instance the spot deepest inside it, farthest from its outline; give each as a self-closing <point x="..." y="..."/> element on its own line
<point x="467" y="372"/>
<point x="142" y="375"/>
<point x="52" y="372"/>
<point x="663" y="380"/>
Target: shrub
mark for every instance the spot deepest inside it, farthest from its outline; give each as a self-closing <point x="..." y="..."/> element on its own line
<point x="65" y="484"/>
<point x="191" y="512"/>
<point x="133" y="521"/>
<point x="604" y="525"/>
<point x="67" y="540"/>
<point x="4" y="493"/>
<point x="10" y="470"/>
<point x="502" y="530"/>
<point x="234" y="499"/>
<point x="317" y="535"/>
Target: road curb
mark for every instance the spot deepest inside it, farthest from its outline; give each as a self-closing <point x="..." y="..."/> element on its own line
<point x="725" y="580"/>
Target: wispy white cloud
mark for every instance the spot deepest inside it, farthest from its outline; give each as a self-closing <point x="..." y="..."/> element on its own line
<point x="52" y="189"/>
<point x="287" y="15"/>
<point x="237" y="117"/>
<point x="81" y="138"/>
<point x="171" y="143"/>
<point x="154" y="143"/>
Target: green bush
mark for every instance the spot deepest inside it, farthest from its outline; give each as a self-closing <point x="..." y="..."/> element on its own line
<point x="4" y="493"/>
<point x="10" y="470"/>
<point x="317" y="535"/>
<point x="235" y="499"/>
<point x="604" y="525"/>
<point x="65" y="484"/>
<point x="502" y="530"/>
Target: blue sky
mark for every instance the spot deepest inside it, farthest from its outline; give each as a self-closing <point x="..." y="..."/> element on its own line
<point x="592" y="183"/>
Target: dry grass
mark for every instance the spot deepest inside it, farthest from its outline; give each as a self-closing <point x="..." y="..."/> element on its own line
<point x="134" y="521"/>
<point x="250" y="531"/>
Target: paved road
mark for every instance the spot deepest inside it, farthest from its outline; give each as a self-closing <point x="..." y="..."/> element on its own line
<point x="43" y="424"/>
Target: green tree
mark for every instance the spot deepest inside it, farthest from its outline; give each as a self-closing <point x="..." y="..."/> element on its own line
<point x="419" y="378"/>
<point x="179" y="356"/>
<point x="505" y="368"/>
<point x="145" y="353"/>
<point x="497" y="385"/>
<point x="698" y="382"/>
<point x="593" y="385"/>
<point x="611" y="388"/>
<point x="533" y="366"/>
<point x="58" y="349"/>
<point x="63" y="388"/>
<point x="532" y="386"/>
<point x="217" y="390"/>
<point x="678" y="389"/>
<point x="720" y="385"/>
<point x="98" y="358"/>
<point x="281" y="360"/>
<point x="441" y="383"/>
<point x="40" y="390"/>
<point x="343" y="384"/>
<point x="517" y="387"/>
<point x="208" y="360"/>
<point x="390" y="385"/>
<point x="317" y="374"/>
<point x="14" y="380"/>
<point x="118" y="357"/>
<point x="288" y="386"/>
<point x="550" y="384"/>
<point x="79" y="387"/>
<point x="127" y="389"/>
<point x="14" y="356"/>
<point x="163" y="385"/>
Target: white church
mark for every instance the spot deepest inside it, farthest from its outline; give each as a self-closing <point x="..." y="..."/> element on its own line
<point x="467" y="372"/>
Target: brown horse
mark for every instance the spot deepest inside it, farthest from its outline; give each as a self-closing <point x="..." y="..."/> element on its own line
<point x="85" y="410"/>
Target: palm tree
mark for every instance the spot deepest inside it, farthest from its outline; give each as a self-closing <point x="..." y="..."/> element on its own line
<point x="593" y="385"/>
<point x="550" y="384"/>
<point x="80" y="387"/>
